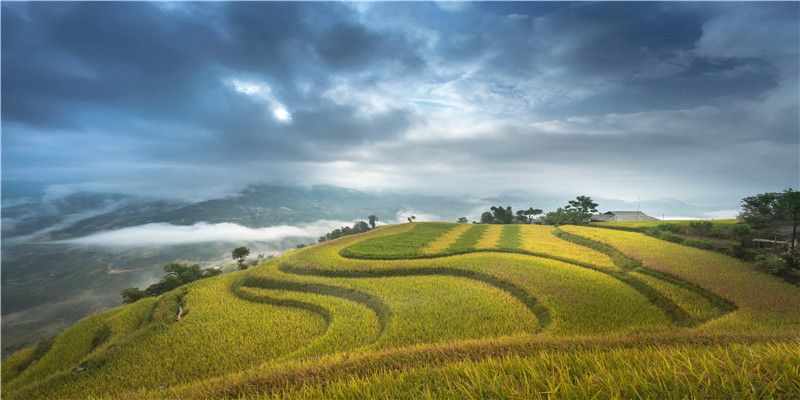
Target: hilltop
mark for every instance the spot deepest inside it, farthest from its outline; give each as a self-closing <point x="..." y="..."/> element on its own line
<point x="443" y="310"/>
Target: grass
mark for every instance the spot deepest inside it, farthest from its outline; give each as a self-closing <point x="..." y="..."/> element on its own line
<point x="443" y="311"/>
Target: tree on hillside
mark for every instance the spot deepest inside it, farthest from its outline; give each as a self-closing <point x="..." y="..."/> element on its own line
<point x="131" y="295"/>
<point x="526" y="216"/>
<point x="360" y="227"/>
<point x="462" y="220"/>
<point x="486" y="217"/>
<point x="531" y="213"/>
<point x="372" y="219"/>
<point x="563" y="216"/>
<point x="176" y="275"/>
<point x="789" y="210"/>
<point x="239" y="254"/>
<point x="768" y="209"/>
<point x="502" y="215"/>
<point x="759" y="211"/>
<point x="584" y="206"/>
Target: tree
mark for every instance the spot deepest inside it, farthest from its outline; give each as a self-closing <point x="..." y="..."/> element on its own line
<point x="176" y="275"/>
<point x="486" y="218"/>
<point x="372" y="219"/>
<point x="789" y="209"/>
<point x="462" y="220"/>
<point x="360" y="227"/>
<point x="131" y="295"/>
<point x="239" y="254"/>
<point x="563" y="216"/>
<point x="530" y="213"/>
<point x="759" y="210"/>
<point x="767" y="209"/>
<point x="584" y="205"/>
<point x="502" y="215"/>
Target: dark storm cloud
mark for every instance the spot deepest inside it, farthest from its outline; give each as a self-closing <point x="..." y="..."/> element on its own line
<point x="192" y="95"/>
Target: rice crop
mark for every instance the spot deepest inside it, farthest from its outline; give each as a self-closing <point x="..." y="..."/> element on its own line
<point x="468" y="240"/>
<point x="539" y="239"/>
<point x="694" y="304"/>
<point x="443" y="311"/>
<point x="731" y="371"/>
<point x="209" y="341"/>
<point x="442" y="243"/>
<point x="405" y="245"/>
<point x="765" y="302"/>
<point x="490" y="238"/>
<point x="509" y="238"/>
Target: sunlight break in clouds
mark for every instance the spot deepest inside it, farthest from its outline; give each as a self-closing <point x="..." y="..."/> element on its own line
<point x="168" y="234"/>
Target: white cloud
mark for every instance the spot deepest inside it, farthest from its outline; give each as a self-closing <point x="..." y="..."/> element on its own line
<point x="263" y="93"/>
<point x="168" y="234"/>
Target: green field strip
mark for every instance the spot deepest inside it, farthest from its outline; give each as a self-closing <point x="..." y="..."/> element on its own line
<point x="468" y="240"/>
<point x="442" y="243"/>
<point x="510" y="238"/>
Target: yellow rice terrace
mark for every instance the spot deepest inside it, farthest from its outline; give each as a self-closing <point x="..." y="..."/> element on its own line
<point x="440" y="310"/>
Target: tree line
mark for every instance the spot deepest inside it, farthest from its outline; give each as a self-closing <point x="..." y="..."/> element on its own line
<point x="176" y="275"/>
<point x="575" y="212"/>
<point x="358" y="227"/>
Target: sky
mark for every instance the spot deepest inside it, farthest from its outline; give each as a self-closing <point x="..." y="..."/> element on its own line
<point x="691" y="102"/>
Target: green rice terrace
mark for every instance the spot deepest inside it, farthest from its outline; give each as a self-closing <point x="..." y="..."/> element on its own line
<point x="443" y="310"/>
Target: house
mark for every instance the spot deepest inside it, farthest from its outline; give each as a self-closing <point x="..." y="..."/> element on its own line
<point x="622" y="216"/>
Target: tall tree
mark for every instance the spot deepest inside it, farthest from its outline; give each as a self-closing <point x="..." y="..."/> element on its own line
<point x="584" y="206"/>
<point x="530" y="213"/>
<point x="767" y="209"/>
<point x="759" y="210"/>
<point x="239" y="254"/>
<point x="789" y="209"/>
<point x="372" y="219"/>
<point x="462" y="220"/>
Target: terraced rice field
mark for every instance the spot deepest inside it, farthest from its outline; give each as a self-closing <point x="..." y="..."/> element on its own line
<point x="436" y="310"/>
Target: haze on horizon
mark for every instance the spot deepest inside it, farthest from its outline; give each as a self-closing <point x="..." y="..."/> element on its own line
<point x="680" y="102"/>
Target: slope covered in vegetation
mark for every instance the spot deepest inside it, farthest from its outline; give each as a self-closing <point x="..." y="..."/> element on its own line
<point x="443" y="310"/>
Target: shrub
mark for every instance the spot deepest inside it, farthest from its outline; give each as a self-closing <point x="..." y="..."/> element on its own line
<point x="700" y="244"/>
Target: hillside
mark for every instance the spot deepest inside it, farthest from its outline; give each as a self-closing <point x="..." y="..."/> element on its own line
<point x="444" y="311"/>
<point x="48" y="285"/>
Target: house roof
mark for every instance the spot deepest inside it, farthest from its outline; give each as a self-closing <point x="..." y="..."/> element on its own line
<point x="623" y="216"/>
